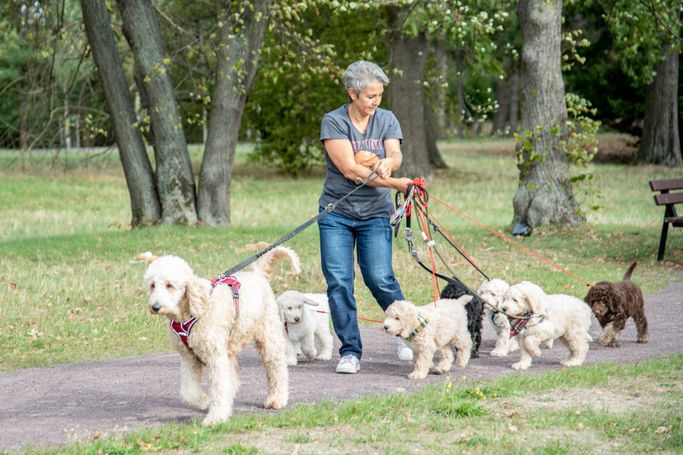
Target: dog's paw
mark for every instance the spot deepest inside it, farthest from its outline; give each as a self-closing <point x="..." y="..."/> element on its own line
<point x="215" y="418"/>
<point x="275" y="403"/>
<point x="548" y="344"/>
<point x="644" y="339"/>
<point x="437" y="371"/>
<point x="474" y="355"/>
<point x="324" y="357"/>
<point x="291" y="362"/>
<point x="499" y="352"/>
<point x="572" y="362"/>
<point x="521" y="365"/>
<point x="417" y="375"/>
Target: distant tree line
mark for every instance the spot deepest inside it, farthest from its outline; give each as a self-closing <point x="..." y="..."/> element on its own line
<point x="172" y="72"/>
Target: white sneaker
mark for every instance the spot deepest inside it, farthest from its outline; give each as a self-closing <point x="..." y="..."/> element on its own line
<point x="403" y="350"/>
<point x="349" y="364"/>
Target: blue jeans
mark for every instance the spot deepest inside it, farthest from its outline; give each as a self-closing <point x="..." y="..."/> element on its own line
<point x="371" y="238"/>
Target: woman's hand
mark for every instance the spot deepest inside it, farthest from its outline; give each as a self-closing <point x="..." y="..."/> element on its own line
<point x="383" y="168"/>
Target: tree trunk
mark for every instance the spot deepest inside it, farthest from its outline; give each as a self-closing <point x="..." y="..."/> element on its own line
<point x="660" y="142"/>
<point x="237" y="62"/>
<point x="433" y="153"/>
<point x="500" y="118"/>
<point x="513" y="117"/>
<point x="407" y="69"/>
<point x="175" y="180"/>
<point x="144" y="200"/>
<point x="544" y="195"/>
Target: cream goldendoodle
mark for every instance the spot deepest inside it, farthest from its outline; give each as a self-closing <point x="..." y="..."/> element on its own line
<point x="491" y="292"/>
<point x="430" y="329"/>
<point x="307" y="321"/>
<point x="550" y="317"/>
<point x="211" y="321"/>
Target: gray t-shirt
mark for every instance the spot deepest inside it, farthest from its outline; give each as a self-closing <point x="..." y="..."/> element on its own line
<point x="367" y="202"/>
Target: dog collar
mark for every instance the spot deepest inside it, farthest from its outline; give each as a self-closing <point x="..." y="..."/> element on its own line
<point x="519" y="325"/>
<point x="421" y="324"/>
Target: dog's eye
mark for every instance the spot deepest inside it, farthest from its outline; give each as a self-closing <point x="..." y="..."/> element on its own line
<point x="152" y="286"/>
<point x="169" y="286"/>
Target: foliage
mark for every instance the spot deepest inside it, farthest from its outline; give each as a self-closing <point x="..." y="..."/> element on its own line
<point x="299" y="79"/>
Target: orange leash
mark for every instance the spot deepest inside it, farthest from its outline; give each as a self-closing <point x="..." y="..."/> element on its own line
<point x="531" y="252"/>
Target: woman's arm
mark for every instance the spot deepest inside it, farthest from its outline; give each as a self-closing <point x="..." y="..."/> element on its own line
<point x="341" y="154"/>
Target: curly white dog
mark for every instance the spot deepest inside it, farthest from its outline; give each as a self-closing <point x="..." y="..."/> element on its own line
<point x="307" y="321"/>
<point x="491" y="292"/>
<point x="551" y="316"/>
<point x="430" y="329"/>
<point x="211" y="321"/>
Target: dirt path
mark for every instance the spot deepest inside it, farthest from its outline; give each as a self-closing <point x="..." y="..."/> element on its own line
<point x="54" y="406"/>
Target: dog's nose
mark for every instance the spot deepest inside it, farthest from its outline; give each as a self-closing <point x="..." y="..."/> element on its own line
<point x="156" y="307"/>
<point x="386" y="327"/>
<point x="297" y="319"/>
<point x="505" y="309"/>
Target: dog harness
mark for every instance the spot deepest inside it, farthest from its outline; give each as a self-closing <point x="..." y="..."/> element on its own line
<point x="183" y="329"/>
<point x="234" y="285"/>
<point x="421" y="324"/>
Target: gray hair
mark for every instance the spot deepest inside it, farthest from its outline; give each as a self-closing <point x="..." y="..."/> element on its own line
<point x="360" y="73"/>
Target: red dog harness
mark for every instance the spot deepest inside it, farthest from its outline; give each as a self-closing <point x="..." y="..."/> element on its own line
<point x="182" y="329"/>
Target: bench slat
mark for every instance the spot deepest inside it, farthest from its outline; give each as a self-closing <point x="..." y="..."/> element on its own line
<point x="676" y="221"/>
<point x="666" y="184"/>
<point x="668" y="198"/>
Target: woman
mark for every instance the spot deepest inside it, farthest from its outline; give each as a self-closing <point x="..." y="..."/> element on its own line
<point x="361" y="220"/>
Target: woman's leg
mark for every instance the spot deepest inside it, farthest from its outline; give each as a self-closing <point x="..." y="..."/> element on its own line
<point x="375" y="260"/>
<point x="337" y="240"/>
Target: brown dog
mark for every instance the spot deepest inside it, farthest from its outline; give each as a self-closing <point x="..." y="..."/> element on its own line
<point x="613" y="302"/>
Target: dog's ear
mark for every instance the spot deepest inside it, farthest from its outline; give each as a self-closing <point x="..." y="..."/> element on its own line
<point x="465" y="299"/>
<point x="534" y="301"/>
<point x="310" y="301"/>
<point x="197" y="298"/>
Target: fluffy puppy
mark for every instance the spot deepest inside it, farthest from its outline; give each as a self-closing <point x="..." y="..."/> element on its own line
<point x="612" y="303"/>
<point x="491" y="292"/>
<point x="430" y="329"/>
<point x="475" y="311"/>
<point x="209" y="324"/>
<point x="307" y="321"/>
<point x="553" y="316"/>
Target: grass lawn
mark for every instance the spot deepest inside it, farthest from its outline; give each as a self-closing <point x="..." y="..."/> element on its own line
<point x="70" y="291"/>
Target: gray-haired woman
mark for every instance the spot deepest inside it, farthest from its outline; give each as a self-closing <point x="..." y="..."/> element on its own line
<point x="362" y="220"/>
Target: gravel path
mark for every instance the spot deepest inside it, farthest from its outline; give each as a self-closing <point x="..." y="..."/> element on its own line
<point x="55" y="406"/>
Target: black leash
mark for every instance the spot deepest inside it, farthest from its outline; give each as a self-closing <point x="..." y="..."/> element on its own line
<point x="330" y="207"/>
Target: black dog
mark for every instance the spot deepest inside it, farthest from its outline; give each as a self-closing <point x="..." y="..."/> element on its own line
<point x="475" y="310"/>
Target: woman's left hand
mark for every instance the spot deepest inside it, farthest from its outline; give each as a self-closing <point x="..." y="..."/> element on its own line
<point x="383" y="168"/>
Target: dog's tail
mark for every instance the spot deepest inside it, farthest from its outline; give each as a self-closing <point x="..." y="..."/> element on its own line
<point x="266" y="262"/>
<point x="629" y="272"/>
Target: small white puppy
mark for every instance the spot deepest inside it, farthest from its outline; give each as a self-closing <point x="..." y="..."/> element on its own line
<point x="430" y="329"/>
<point x="307" y="320"/>
<point x="561" y="316"/>
<point x="491" y="292"/>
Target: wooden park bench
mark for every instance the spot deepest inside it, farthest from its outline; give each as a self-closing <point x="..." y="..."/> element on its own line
<point x="670" y="194"/>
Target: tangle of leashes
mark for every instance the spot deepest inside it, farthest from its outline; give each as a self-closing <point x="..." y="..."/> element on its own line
<point x="417" y="199"/>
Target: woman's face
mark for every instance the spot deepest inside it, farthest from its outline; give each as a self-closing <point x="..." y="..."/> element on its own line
<point x="367" y="100"/>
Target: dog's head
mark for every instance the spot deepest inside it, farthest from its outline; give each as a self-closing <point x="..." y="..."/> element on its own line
<point x="293" y="305"/>
<point x="492" y="291"/>
<point x="602" y="299"/>
<point x="523" y="297"/>
<point x="400" y="318"/>
<point x="173" y="290"/>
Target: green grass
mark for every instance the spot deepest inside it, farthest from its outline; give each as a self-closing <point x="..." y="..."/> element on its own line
<point x="69" y="290"/>
<point x="554" y="412"/>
